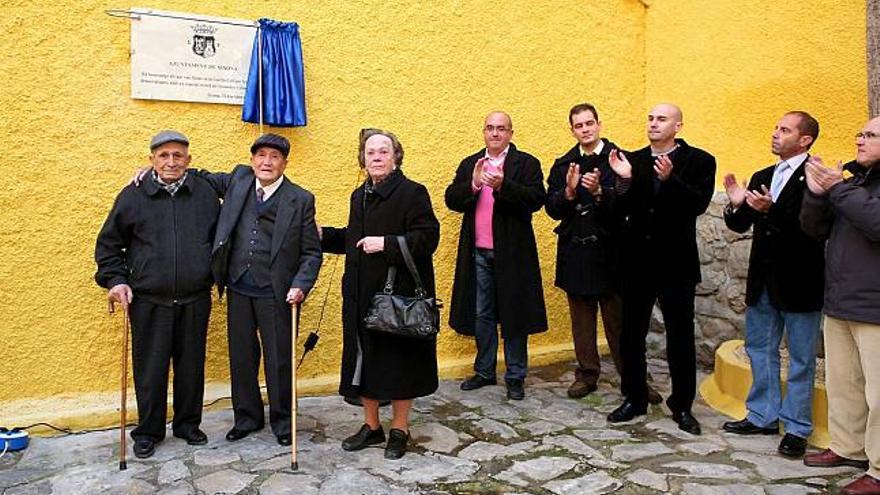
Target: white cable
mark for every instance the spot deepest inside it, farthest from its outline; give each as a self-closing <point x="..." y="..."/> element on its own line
<point x="5" y="448"/>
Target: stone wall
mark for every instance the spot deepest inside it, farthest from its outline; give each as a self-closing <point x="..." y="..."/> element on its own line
<point x="720" y="303"/>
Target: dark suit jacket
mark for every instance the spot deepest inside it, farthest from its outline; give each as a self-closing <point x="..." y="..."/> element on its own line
<point x="659" y="239"/>
<point x="586" y="251"/>
<point x="296" y="250"/>
<point x="784" y="260"/>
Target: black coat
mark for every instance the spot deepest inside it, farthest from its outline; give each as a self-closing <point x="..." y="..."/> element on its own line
<point x="659" y="219"/>
<point x="296" y="250"/>
<point x="158" y="244"/>
<point x="519" y="293"/>
<point x="784" y="260"/>
<point x="392" y="367"/>
<point x="586" y="250"/>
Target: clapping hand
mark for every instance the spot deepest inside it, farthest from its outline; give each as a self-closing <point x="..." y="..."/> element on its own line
<point x="821" y="178"/>
<point x="736" y="193"/>
<point x="572" y="179"/>
<point x="619" y="163"/>
<point x="493" y="177"/>
<point x="663" y="167"/>
<point x="759" y="201"/>
<point x="476" y="180"/>
<point x="590" y="181"/>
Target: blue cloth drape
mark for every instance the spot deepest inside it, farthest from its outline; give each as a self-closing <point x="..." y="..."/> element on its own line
<point x="284" y="96"/>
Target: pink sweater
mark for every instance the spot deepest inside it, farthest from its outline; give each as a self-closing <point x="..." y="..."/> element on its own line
<point x="486" y="205"/>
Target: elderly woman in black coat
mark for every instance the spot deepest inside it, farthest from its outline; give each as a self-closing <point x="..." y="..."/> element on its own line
<point x="378" y="366"/>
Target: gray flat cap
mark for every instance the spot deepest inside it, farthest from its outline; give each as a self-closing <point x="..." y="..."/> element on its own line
<point x="280" y="143"/>
<point x="168" y="137"/>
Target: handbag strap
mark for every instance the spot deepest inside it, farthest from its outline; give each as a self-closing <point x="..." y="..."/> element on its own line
<point x="411" y="266"/>
<point x="389" y="280"/>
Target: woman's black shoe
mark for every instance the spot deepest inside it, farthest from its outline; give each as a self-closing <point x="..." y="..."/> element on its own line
<point x="364" y="438"/>
<point x="397" y="441"/>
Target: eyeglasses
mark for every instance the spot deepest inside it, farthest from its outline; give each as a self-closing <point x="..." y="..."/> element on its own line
<point x="866" y="135"/>
<point x="492" y="128"/>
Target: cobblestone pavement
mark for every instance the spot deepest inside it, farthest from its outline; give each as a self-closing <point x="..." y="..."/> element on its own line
<point x="463" y="443"/>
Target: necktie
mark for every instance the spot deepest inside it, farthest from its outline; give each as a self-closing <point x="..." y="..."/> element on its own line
<point x="260" y="194"/>
<point x="778" y="175"/>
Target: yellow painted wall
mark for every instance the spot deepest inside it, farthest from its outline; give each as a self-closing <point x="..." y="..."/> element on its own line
<point x="736" y="66"/>
<point x="430" y="72"/>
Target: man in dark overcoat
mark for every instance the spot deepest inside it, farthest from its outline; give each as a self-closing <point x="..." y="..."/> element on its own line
<point x="580" y="193"/>
<point x="784" y="289"/>
<point x="154" y="257"/>
<point x="267" y="254"/>
<point x="670" y="184"/>
<point x="497" y="273"/>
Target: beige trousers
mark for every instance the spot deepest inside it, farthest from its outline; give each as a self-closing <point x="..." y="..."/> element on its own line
<point x="852" y="382"/>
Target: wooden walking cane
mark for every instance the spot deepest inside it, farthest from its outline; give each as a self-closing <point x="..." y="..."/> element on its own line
<point x="123" y="386"/>
<point x="294" y="330"/>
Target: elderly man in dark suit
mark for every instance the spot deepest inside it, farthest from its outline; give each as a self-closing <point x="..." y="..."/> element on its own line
<point x="784" y="287"/>
<point x="267" y="253"/>
<point x="154" y="257"/>
<point x="497" y="272"/>
<point x="667" y="185"/>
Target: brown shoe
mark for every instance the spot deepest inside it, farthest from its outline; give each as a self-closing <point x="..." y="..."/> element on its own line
<point x="654" y="397"/>
<point x="580" y="389"/>
<point x="827" y="458"/>
<point x="866" y="485"/>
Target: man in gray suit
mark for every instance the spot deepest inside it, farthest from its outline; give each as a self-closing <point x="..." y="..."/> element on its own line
<point x="267" y="253"/>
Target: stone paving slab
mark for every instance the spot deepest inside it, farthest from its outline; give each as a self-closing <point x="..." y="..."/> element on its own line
<point x="463" y="443"/>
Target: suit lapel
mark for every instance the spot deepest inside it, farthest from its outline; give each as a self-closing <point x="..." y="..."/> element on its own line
<point x="511" y="162"/>
<point x="286" y="199"/>
<point x="233" y="203"/>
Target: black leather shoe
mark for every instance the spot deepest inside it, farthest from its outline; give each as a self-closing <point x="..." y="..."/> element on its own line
<point x="284" y="439"/>
<point x="746" y="427"/>
<point x="236" y="434"/>
<point x="515" y="389"/>
<point x="626" y="412"/>
<point x="144" y="447"/>
<point x="792" y="446"/>
<point x="195" y="437"/>
<point x="364" y="438"/>
<point x="687" y="422"/>
<point x="396" y="447"/>
<point x="477" y="381"/>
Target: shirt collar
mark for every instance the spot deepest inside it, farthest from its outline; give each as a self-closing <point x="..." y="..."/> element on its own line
<point x="501" y="156"/>
<point x="795" y="161"/>
<point x="596" y="151"/>
<point x="269" y="190"/>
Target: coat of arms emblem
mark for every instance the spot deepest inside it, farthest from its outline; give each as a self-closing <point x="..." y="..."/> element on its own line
<point x="203" y="43"/>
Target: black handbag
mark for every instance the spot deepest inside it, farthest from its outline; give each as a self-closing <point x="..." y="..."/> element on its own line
<point x="416" y="317"/>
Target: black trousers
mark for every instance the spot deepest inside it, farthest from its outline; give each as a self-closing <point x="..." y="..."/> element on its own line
<point x="677" y="305"/>
<point x="245" y="316"/>
<point x="163" y="335"/>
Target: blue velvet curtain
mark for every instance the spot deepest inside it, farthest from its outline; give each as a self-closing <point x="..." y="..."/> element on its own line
<point x="284" y="96"/>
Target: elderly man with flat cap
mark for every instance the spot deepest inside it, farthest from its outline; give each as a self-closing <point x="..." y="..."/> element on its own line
<point x="154" y="256"/>
<point x="267" y="253"/>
